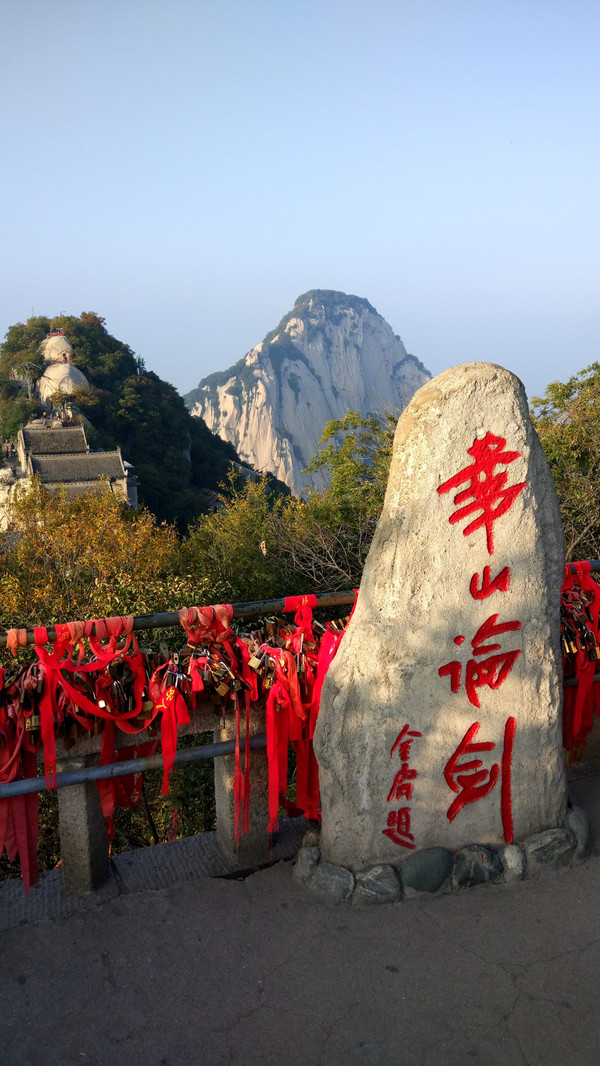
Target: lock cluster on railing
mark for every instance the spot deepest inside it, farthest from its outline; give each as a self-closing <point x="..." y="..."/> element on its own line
<point x="94" y="679"/>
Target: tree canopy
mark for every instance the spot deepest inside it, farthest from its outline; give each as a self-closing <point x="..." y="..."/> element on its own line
<point x="567" y="419"/>
<point x="88" y="556"/>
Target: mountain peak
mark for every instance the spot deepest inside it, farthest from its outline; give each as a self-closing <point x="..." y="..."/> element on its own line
<point x="330" y="353"/>
<point x="331" y="299"/>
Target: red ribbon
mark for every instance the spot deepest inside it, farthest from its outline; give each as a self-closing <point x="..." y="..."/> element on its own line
<point x="19" y="814"/>
<point x="579" y="703"/>
<point x="303" y="606"/>
<point x="206" y="625"/>
<point x="174" y="713"/>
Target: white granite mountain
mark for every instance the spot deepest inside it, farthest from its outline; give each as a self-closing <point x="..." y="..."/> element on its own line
<point x="329" y="354"/>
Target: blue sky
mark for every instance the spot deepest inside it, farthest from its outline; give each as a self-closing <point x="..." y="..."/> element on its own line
<point x="187" y="169"/>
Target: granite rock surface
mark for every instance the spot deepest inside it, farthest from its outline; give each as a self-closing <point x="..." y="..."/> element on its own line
<point x="440" y="715"/>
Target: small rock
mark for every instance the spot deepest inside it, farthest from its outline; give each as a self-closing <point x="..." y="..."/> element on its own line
<point x="307" y="861"/>
<point x="378" y="885"/>
<point x="513" y="861"/>
<point x="476" y="865"/>
<point x="312" y="838"/>
<point x="579" y="824"/>
<point x="551" y="848"/>
<point x="331" y="884"/>
<point x="427" y="870"/>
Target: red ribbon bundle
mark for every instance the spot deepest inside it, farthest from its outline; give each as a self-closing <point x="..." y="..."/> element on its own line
<point x="19" y="814"/>
<point x="292" y="719"/>
<point x="582" y="701"/>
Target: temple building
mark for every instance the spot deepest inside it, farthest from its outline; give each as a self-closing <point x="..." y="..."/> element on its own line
<point x="54" y="448"/>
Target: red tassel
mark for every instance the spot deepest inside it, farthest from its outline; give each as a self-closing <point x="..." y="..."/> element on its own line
<point x="238" y="777"/>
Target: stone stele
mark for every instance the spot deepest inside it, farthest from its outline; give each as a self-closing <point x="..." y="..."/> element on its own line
<point x="440" y="721"/>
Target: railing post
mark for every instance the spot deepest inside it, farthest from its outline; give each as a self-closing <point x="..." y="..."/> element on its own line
<point x="255" y="847"/>
<point x="83" y="832"/>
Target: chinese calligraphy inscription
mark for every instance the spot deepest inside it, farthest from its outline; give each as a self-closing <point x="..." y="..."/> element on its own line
<point x="488" y="493"/>
<point x="398" y="821"/>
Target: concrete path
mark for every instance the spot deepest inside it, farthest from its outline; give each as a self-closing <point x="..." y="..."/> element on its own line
<point x="218" y="972"/>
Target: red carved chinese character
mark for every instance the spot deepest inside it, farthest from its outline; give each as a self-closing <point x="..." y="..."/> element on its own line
<point x="490" y="628"/>
<point x="401" y="788"/>
<point x="471" y="781"/>
<point x="492" y="671"/>
<point x="466" y="778"/>
<point x="398" y="829"/>
<point x="489" y="584"/>
<point x="486" y="490"/>
<point x="402" y="744"/>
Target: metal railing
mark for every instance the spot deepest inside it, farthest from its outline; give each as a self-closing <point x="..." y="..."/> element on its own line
<point x="170" y="619"/>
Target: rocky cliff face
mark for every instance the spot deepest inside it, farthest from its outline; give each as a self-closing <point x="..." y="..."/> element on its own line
<point x="331" y="353"/>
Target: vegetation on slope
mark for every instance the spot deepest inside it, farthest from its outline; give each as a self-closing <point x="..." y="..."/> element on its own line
<point x="177" y="459"/>
<point x="567" y="419"/>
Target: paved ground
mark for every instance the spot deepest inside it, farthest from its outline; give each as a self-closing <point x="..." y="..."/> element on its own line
<point x="218" y="972"/>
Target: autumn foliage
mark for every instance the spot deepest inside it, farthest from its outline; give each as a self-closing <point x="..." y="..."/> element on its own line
<point x="85" y="557"/>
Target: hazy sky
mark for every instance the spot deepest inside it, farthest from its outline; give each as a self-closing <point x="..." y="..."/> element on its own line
<point x="187" y="168"/>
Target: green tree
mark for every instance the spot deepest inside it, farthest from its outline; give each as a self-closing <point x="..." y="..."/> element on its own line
<point x="20" y="356"/>
<point x="317" y="544"/>
<point x="15" y="409"/>
<point x="356" y="450"/>
<point x="567" y="419"/>
<point x="236" y="547"/>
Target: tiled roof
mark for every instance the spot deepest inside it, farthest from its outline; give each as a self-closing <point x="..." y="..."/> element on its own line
<point x="48" y="440"/>
<point x="83" y="467"/>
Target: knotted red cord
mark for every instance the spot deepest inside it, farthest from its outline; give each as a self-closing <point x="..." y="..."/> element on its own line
<point x="174" y="713"/>
<point x="241" y="783"/>
<point x="211" y="625"/>
<point x="277" y="720"/>
<point x="330" y="642"/>
<point x="16" y="638"/>
<point x="285" y="717"/>
<point x="206" y="625"/>
<point x="59" y="663"/>
<point x="303" y="606"/>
